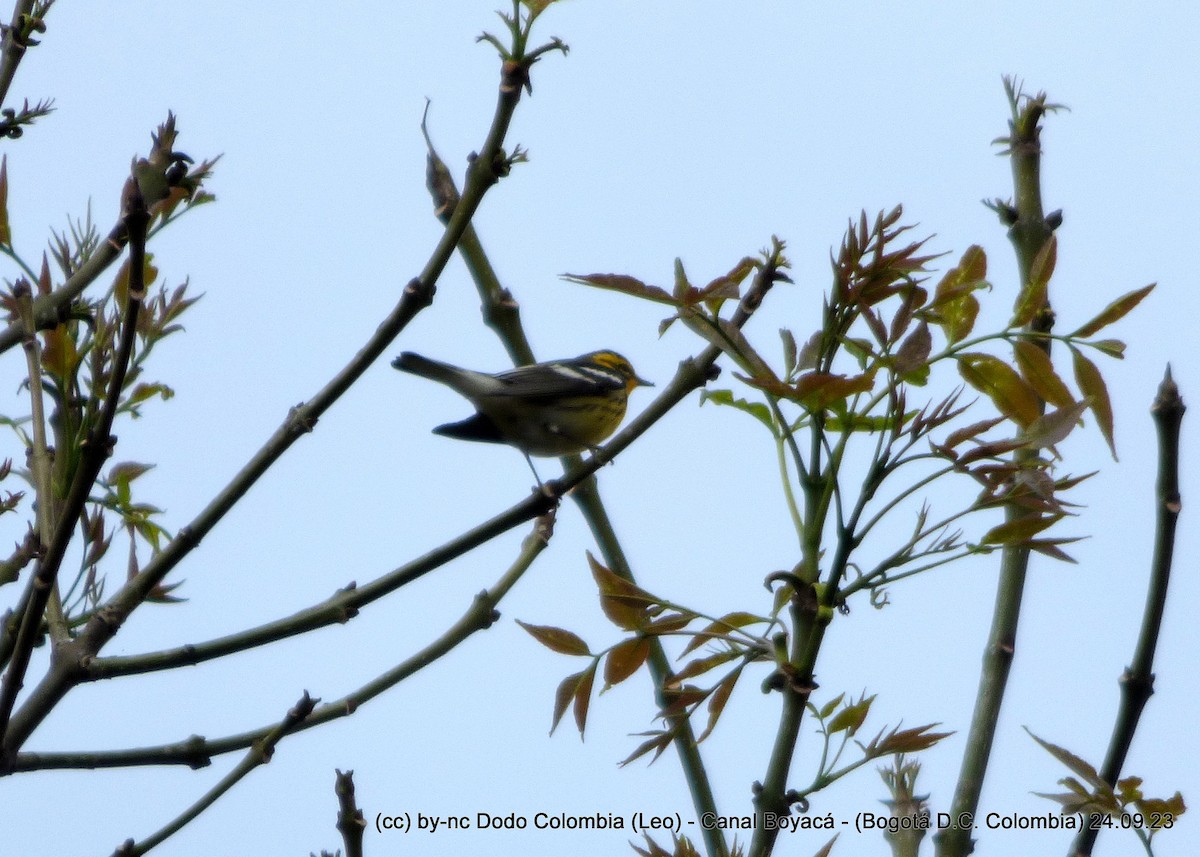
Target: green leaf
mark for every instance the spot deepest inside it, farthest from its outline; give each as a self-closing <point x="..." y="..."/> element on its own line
<point x="1091" y="383"/>
<point x="1033" y="297"/>
<point x="1114" y="311"/>
<point x="755" y="409"/>
<point x="1111" y="347"/>
<point x="790" y="351"/>
<point x="1000" y="382"/>
<point x="557" y="639"/>
<point x="1019" y="530"/>
<point x="682" y="286"/>
<point x="954" y="307"/>
<point x="829" y="707"/>
<point x="720" y="627"/>
<point x="127" y="471"/>
<point x="851" y="717"/>
<point x="1037" y="368"/>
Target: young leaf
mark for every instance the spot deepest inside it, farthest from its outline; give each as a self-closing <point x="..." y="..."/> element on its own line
<point x="720" y="627"/>
<point x="909" y="740"/>
<point x="755" y="409"/>
<point x="1051" y="428"/>
<point x="1076" y="765"/>
<point x="624" y="659"/>
<point x="790" y="351"/>
<point x="1038" y="370"/>
<point x="699" y="666"/>
<point x="1049" y="547"/>
<point x="1091" y="383"/>
<point x="851" y="717"/>
<point x="716" y="702"/>
<point x="1114" y="311"/>
<point x="999" y="382"/>
<point x="658" y="742"/>
<point x="1111" y="347"/>
<point x="829" y="707"/>
<point x="1017" y="531"/>
<point x="682" y="285"/>
<point x="583" y="697"/>
<point x="624" y="284"/>
<point x="563" y="696"/>
<point x="557" y="639"/>
<point x="914" y="351"/>
<point x="1032" y="298"/>
<point x="969" y="432"/>
<point x="827" y="849"/>
<point x="624" y="603"/>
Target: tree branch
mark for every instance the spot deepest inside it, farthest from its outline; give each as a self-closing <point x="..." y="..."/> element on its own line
<point x="1137" y="682"/>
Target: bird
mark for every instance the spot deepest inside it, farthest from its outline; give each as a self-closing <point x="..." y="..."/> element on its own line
<point x="560" y="407"/>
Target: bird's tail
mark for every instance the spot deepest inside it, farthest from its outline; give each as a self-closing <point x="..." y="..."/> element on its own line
<point x="462" y="380"/>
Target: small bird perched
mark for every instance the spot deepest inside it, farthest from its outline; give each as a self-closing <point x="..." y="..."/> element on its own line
<point x="557" y="408"/>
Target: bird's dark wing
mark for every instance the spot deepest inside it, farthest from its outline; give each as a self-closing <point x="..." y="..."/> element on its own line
<point x="551" y="380"/>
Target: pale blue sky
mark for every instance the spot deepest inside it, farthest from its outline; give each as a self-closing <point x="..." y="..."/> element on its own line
<point x="690" y="129"/>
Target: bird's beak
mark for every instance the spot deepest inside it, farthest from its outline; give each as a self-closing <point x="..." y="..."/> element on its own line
<point x="642" y="382"/>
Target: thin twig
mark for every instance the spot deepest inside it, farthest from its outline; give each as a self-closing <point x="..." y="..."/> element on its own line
<point x="196" y="752"/>
<point x="416" y="296"/>
<point x="1137" y="682"/>
<point x="259" y="754"/>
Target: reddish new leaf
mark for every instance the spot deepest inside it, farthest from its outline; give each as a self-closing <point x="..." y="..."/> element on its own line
<point x="716" y="702"/>
<point x="624" y="603"/>
<point x="563" y="696"/>
<point x="624" y="284"/>
<point x="658" y="742"/>
<point x="969" y="432"/>
<point x="557" y="639"/>
<point x="1076" y="765"/>
<point x="624" y="659"/>
<point x="909" y="740"/>
<point x="583" y="697"/>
